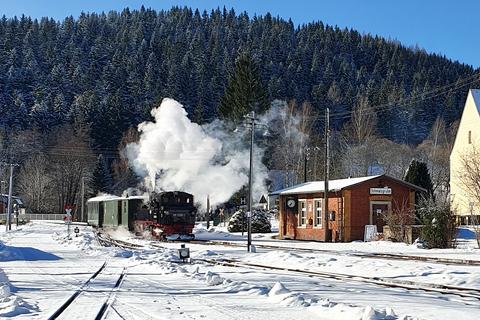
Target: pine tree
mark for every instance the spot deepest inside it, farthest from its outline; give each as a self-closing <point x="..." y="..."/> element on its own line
<point x="418" y="175"/>
<point x="244" y="92"/>
<point x="102" y="177"/>
<point x="143" y="55"/>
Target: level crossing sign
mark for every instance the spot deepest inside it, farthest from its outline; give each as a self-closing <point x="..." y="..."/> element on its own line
<point x="68" y="213"/>
<point x="68" y="217"/>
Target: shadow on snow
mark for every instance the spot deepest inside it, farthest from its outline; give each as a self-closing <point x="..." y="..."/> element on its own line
<point x="8" y="253"/>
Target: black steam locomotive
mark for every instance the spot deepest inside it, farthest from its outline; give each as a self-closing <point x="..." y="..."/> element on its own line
<point x="164" y="215"/>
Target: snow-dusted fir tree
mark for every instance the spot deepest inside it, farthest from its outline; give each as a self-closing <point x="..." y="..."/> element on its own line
<point x="244" y="92"/>
<point x="260" y="222"/>
<point x="418" y="174"/>
<point x="102" y="177"/>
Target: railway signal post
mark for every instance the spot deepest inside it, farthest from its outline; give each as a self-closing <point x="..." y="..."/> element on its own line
<point x="68" y="218"/>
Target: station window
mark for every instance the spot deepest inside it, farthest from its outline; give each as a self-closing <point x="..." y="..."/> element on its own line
<point x="318" y="212"/>
<point x="302" y="212"/>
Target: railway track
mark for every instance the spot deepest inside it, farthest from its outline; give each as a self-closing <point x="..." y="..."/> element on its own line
<point x="81" y="304"/>
<point x="111" y="297"/>
<point x="105" y="240"/>
<point x="470" y="293"/>
<point x="69" y="301"/>
<point x="373" y="255"/>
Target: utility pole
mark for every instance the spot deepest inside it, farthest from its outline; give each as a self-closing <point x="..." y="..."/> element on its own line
<point x="83" y="198"/>
<point x="8" y="224"/>
<point x="327" y="174"/>
<point x="208" y="211"/>
<point x="306" y="158"/>
<point x="305" y="165"/>
<point x="251" y="120"/>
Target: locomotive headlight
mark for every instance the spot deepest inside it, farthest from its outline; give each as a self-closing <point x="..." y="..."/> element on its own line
<point x="157" y="231"/>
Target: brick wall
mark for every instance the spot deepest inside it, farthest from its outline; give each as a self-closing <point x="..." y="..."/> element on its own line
<point x="308" y="232"/>
<point x="353" y="203"/>
<point x="360" y="203"/>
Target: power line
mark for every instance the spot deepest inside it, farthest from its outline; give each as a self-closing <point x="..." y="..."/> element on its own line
<point x="453" y="87"/>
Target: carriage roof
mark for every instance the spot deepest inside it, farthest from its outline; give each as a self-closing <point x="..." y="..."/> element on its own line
<point x="115" y="198"/>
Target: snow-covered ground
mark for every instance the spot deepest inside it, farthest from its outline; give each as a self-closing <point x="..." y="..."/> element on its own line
<point x="40" y="269"/>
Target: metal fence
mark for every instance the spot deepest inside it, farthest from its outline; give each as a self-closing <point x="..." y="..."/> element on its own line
<point x="34" y="216"/>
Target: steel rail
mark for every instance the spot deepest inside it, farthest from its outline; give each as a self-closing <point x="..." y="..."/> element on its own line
<point x="111" y="297"/>
<point x="381" y="281"/>
<point x="385" y="282"/>
<point x="107" y="241"/>
<point x="371" y="255"/>
<point x="77" y="292"/>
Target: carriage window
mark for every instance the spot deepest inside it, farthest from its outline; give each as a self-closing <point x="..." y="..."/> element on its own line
<point x="302" y="212"/>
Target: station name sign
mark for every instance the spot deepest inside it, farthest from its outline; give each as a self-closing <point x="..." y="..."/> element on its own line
<point x="380" y="191"/>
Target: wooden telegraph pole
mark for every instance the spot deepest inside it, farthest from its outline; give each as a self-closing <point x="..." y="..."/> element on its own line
<point x="327" y="174"/>
<point x="8" y="223"/>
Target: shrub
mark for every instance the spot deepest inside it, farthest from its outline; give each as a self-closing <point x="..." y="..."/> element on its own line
<point x="439" y="227"/>
<point x="260" y="222"/>
<point x="398" y="219"/>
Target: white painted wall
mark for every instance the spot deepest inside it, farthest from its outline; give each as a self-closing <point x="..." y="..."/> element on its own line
<point x="470" y="122"/>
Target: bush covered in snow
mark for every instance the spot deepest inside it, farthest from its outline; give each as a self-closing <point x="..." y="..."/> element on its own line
<point x="260" y="222"/>
<point x="439" y="227"/>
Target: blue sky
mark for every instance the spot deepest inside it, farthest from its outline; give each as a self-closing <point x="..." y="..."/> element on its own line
<point x="448" y="27"/>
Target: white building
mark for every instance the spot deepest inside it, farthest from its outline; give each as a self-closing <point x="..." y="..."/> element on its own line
<point x="463" y="200"/>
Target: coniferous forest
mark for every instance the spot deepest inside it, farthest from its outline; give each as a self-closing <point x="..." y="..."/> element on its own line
<point x="72" y="93"/>
<point x="107" y="71"/>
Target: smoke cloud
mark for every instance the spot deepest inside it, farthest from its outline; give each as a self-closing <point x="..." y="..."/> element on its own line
<point x="174" y="153"/>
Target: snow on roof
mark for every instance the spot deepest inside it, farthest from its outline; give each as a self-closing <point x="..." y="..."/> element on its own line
<point x="476" y="98"/>
<point x="18" y="200"/>
<point x="319" y="186"/>
<point x="104" y="197"/>
<point x="109" y="197"/>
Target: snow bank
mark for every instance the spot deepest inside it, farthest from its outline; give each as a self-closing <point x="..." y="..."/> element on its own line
<point x="344" y="311"/>
<point x="213" y="279"/>
<point x="10" y="305"/>
<point x="324" y="307"/>
<point x="85" y="241"/>
<point x="214" y="233"/>
<point x="278" y="289"/>
<point x="280" y="294"/>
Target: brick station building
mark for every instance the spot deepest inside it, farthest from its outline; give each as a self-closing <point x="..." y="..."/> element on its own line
<point x="352" y="204"/>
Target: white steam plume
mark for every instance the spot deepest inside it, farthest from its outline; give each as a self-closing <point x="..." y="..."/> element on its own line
<point x="176" y="154"/>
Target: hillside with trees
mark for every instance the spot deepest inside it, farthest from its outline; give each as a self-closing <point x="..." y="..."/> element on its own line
<point x="108" y="70"/>
<point x="74" y="89"/>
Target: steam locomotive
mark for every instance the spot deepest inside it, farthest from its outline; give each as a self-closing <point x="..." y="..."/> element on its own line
<point x="164" y="216"/>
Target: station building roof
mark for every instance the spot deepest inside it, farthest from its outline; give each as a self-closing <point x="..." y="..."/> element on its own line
<point x="335" y="185"/>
